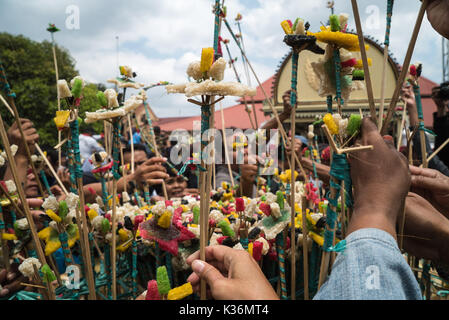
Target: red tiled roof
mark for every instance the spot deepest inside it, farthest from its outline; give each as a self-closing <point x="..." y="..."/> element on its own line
<point x="426" y="86"/>
<point x="163" y="121"/>
<point x="234" y="116"/>
<point x="259" y="97"/>
<point x="428" y="105"/>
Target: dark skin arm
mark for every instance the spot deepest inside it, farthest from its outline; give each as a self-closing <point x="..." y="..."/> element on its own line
<point x="321" y="169"/>
<point x="284" y="115"/>
<point x="10" y="281"/>
<point x="426" y="231"/>
<point x="151" y="171"/>
<point x="224" y="265"/>
<point x="433" y="186"/>
<point x="381" y="181"/>
<point x="408" y="96"/>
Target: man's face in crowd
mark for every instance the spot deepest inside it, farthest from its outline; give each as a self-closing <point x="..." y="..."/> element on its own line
<point x="139" y="157"/>
<point x="31" y="190"/>
<point x="175" y="186"/>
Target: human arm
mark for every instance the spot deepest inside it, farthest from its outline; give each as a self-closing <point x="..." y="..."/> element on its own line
<point x="284" y="115"/>
<point x="322" y="170"/>
<point x="151" y="171"/>
<point x="426" y="231"/>
<point x="10" y="281"/>
<point x="433" y="186"/>
<point x="408" y="96"/>
<point x="371" y="265"/>
<point x="247" y="179"/>
<point x="382" y="172"/>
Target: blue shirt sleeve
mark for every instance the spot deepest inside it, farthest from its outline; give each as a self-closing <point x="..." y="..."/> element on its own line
<point x="370" y="268"/>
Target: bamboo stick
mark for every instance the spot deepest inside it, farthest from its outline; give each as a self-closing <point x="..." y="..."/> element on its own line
<point x="382" y="89"/>
<point x="114" y="236"/>
<point x="305" y="249"/>
<point x="437" y="150"/>
<point x="22" y="135"/>
<point x="293" y="100"/>
<point x="384" y="66"/>
<point x="204" y="204"/>
<point x="85" y="233"/>
<point x="40" y="150"/>
<point x="6" y="105"/>
<point x="51" y="168"/>
<point x="405" y="66"/>
<point x="22" y="197"/>
<point x="55" y="61"/>
<point x="226" y="147"/>
<point x="401" y="127"/>
<point x="369" y="87"/>
<point x="292" y="204"/>
<point x="131" y="138"/>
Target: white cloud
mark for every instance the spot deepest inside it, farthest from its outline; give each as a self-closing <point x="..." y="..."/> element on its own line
<point x="158" y="39"/>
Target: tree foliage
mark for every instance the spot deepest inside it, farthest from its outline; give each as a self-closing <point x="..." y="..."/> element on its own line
<point x="31" y="74"/>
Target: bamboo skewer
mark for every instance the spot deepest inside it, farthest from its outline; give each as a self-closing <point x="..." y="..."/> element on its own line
<point x="205" y="179"/>
<point x="268" y="100"/>
<point x="52" y="170"/>
<point x="131" y="139"/>
<point x="305" y="249"/>
<point x="19" y="186"/>
<point x="337" y="150"/>
<point x="292" y="204"/>
<point x="293" y="100"/>
<point x="114" y="237"/>
<point x="6" y="105"/>
<point x="437" y="150"/>
<point x="369" y="87"/>
<point x="405" y="67"/>
<point x="40" y="151"/>
<point x="226" y="147"/>
<point x="401" y="127"/>
<point x="22" y="135"/>
<point x="382" y="89"/>
<point x="384" y="66"/>
<point x="55" y="61"/>
<point x="87" y="258"/>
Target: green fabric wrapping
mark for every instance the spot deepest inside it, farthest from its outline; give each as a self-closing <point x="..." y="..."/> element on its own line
<point x="70" y="166"/>
<point x="45" y="181"/>
<point x="340" y="171"/>
<point x="388" y="25"/>
<point x="115" y="149"/>
<point x="417" y="92"/>
<point x="216" y="25"/>
<point x="281" y="257"/>
<point x="74" y="126"/>
<point x="337" y="65"/>
<point x="4" y="85"/>
<point x="329" y="104"/>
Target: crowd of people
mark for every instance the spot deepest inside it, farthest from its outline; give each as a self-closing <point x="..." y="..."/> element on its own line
<point x="387" y="190"/>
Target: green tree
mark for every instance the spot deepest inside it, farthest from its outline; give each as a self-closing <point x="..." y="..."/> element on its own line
<point x="31" y="74"/>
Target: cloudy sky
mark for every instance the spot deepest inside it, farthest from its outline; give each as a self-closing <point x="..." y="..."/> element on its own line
<point x="158" y="39"/>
